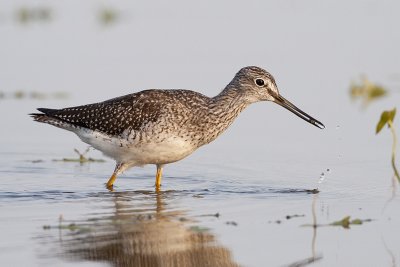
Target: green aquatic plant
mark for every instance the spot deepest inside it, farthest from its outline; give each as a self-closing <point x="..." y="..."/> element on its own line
<point x="19" y="94"/>
<point x="367" y="91"/>
<point x="108" y="16"/>
<point x="25" y="15"/>
<point x="387" y="118"/>
<point x="82" y="158"/>
<point x="60" y="95"/>
<point x="36" y="95"/>
<point x="346" y="222"/>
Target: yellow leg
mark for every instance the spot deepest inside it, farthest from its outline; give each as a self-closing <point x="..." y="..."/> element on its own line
<point x="158" y="176"/>
<point x="118" y="169"/>
<point x="111" y="181"/>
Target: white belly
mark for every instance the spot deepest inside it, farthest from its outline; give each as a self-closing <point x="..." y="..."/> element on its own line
<point x="135" y="153"/>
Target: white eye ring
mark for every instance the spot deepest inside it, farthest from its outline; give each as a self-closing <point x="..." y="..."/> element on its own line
<point x="260" y="82"/>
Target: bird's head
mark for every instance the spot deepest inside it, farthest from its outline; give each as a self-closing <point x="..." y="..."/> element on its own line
<point x="256" y="84"/>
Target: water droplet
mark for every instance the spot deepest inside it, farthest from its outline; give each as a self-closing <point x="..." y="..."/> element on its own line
<point x="321" y="178"/>
<point x="328" y="170"/>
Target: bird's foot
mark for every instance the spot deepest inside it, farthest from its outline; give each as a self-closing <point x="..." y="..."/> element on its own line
<point x="110" y="183"/>
<point x="158" y="188"/>
<point x="110" y="187"/>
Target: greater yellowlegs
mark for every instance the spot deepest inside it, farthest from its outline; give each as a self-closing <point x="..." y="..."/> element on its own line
<point x="164" y="126"/>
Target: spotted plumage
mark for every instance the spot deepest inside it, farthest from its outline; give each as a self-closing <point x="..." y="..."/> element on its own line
<point x="163" y="126"/>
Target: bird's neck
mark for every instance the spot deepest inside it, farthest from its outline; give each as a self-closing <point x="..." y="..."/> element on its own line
<point x="223" y="110"/>
<point x="230" y="101"/>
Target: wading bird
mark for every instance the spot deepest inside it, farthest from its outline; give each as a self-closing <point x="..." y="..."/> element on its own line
<point x="164" y="126"/>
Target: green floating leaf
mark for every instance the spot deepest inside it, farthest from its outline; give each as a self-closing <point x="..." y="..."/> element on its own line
<point x="345" y="222"/>
<point x="386" y="117"/>
<point x="356" y="221"/>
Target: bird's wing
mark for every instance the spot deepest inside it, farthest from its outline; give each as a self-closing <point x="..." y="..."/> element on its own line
<point x="111" y="117"/>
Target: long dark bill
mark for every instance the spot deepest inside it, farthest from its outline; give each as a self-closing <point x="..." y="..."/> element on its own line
<point x="286" y="104"/>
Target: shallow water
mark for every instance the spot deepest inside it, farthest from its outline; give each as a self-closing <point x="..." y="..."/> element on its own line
<point x="246" y="199"/>
<point x="215" y="209"/>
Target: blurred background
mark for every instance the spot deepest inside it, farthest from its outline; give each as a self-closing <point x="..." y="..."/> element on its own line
<point x="94" y="50"/>
<point x="63" y="53"/>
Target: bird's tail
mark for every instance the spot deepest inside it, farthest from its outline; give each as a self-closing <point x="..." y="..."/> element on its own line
<point x="47" y="117"/>
<point x="42" y="117"/>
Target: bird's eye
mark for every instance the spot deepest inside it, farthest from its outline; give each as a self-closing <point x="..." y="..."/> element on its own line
<point x="260" y="82"/>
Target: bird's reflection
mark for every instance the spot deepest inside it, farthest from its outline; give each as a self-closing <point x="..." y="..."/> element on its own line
<point x="143" y="230"/>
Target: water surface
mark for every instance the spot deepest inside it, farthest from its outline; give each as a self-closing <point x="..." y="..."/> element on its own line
<point x="245" y="199"/>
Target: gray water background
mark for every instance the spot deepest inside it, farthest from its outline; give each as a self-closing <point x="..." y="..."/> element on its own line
<point x="250" y="174"/>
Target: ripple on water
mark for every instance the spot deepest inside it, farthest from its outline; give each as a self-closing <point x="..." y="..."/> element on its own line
<point x="40" y="195"/>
